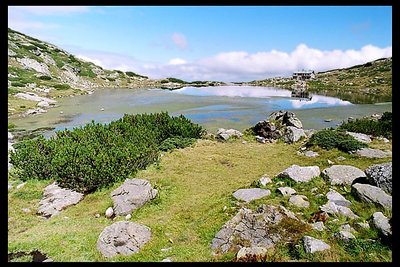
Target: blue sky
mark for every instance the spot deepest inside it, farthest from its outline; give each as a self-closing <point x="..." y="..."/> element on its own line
<point x="237" y="43"/>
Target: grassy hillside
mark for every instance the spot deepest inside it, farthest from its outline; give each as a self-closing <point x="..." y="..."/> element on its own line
<point x="367" y="83"/>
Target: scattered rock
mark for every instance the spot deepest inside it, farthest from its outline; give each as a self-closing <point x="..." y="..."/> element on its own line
<point x="166" y="249"/>
<point x="55" y="199"/>
<point x="286" y="191"/>
<point x="26" y="210"/>
<point x="333" y="209"/>
<point x="123" y="238"/>
<point x="10" y="187"/>
<point x="364" y="138"/>
<point x="312" y="244"/>
<point x="330" y="162"/>
<point x="381" y="222"/>
<point x="35" y="111"/>
<point x="250" y="194"/>
<point x="372" y="153"/>
<point x="34" y="97"/>
<point x="372" y="194"/>
<point x="362" y="225"/>
<point x="226" y="134"/>
<point x="260" y="139"/>
<point x="43" y="104"/>
<point x="381" y="176"/>
<point x="29" y="63"/>
<point x="264" y="180"/>
<point x="319" y="226"/>
<point x="342" y="174"/>
<point x="311" y="154"/>
<point x="248" y="253"/>
<point x="21" y="185"/>
<point x="300" y="174"/>
<point x="109" y="212"/>
<point x="97" y="215"/>
<point x="337" y="198"/>
<point x="344" y="235"/>
<point x="299" y="201"/>
<point x="169" y="259"/>
<point x="10" y="136"/>
<point x="128" y="217"/>
<point x="293" y="134"/>
<point x="340" y="158"/>
<point x="132" y="194"/>
<point x="314" y="190"/>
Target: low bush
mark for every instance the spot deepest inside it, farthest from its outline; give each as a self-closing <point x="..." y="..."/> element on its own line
<point x="381" y="127"/>
<point x="330" y="138"/>
<point x="63" y="86"/>
<point x="45" y="78"/>
<point x="96" y="155"/>
<point x="17" y="84"/>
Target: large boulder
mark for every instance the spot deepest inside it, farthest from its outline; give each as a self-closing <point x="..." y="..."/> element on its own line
<point x="372" y="194"/>
<point x="260" y="228"/>
<point x="373" y="153"/>
<point x="337" y="198"/>
<point x="342" y="174"/>
<point x="381" y="176"/>
<point x="29" y="63"/>
<point x="250" y="194"/>
<point x="300" y="174"/>
<point x="312" y="244"/>
<point x="55" y="199"/>
<point x="267" y="130"/>
<point x="226" y="134"/>
<point x="123" y="238"/>
<point x="132" y="194"/>
<point x="293" y="134"/>
<point x="286" y="118"/>
<point x="333" y="209"/>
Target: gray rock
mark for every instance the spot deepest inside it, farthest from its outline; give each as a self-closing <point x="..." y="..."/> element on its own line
<point x="362" y="225"/>
<point x="123" y="238"/>
<point x="128" y="217"/>
<point x="251" y="194"/>
<point x="132" y="194"/>
<point x="26" y="210"/>
<point x="30" y="63"/>
<point x="109" y="212"/>
<point x="35" y="111"/>
<point x="372" y="194"/>
<point x="333" y="209"/>
<point x="299" y="201"/>
<point x="330" y="162"/>
<point x="319" y="226"/>
<point x="300" y="174"/>
<point x="166" y="249"/>
<point x="48" y="260"/>
<point x="341" y="158"/>
<point x="311" y="154"/>
<point x="293" y="134"/>
<point x="344" y="235"/>
<point x="256" y="252"/>
<point x="253" y="229"/>
<point x="347" y="227"/>
<point x="34" y="97"/>
<point x="169" y="259"/>
<point x="364" y="138"/>
<point x="337" y="198"/>
<point x="55" y="199"/>
<point x="372" y="153"/>
<point x="260" y="139"/>
<point x="310" y="132"/>
<point x="312" y="244"/>
<point x="286" y="191"/>
<point x="264" y="180"/>
<point x="226" y="134"/>
<point x="21" y="185"/>
<point x="10" y="136"/>
<point x="381" y="222"/>
<point x="381" y="176"/>
<point x="11" y="53"/>
<point x="342" y="174"/>
<point x="43" y="104"/>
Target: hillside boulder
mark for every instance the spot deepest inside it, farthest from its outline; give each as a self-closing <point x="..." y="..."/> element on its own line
<point x="372" y="194"/>
<point x="312" y="244"/>
<point x="342" y="174"/>
<point x="300" y="174"/>
<point x="250" y="194"/>
<point x="381" y="176"/>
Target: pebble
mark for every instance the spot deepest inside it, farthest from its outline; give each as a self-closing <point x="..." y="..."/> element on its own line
<point x="97" y="215"/>
<point x="109" y="212"/>
<point x="128" y="217"/>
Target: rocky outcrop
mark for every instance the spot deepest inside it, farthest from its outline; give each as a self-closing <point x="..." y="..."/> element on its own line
<point x="293" y="134"/>
<point x="312" y="244"/>
<point x="267" y="130"/>
<point x="251" y="194"/>
<point x="132" y="194"/>
<point x="300" y="174"/>
<point x="123" y="238"/>
<point x="333" y="209"/>
<point x="342" y="174"/>
<point x="226" y="134"/>
<point x="30" y="63"/>
<point x="55" y="199"/>
<point x="34" y="97"/>
<point x="338" y="199"/>
<point x="381" y="176"/>
<point x="249" y="228"/>
<point x="372" y="194"/>
<point x="373" y="153"/>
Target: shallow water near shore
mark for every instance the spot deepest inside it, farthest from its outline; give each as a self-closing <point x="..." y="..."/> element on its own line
<point x="238" y="107"/>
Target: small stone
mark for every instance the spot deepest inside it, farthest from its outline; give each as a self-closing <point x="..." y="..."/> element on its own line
<point x="128" y="217"/>
<point x="381" y="222"/>
<point x="337" y="198"/>
<point x="311" y="154"/>
<point x="347" y="227"/>
<point x="26" y="210"/>
<point x="224" y="209"/>
<point x="312" y="244"/>
<point x="97" y="215"/>
<point x="286" y="191"/>
<point x="20" y="185"/>
<point x="250" y="194"/>
<point x="251" y="252"/>
<point x="314" y="190"/>
<point x="264" y="180"/>
<point x="344" y="235"/>
<point x="330" y="162"/>
<point x="10" y="187"/>
<point x="244" y="142"/>
<point x="102" y="109"/>
<point x="362" y="225"/>
<point x="319" y="226"/>
<point x="167" y="260"/>
<point x="109" y="212"/>
<point x="299" y="201"/>
<point x="340" y="158"/>
<point x="166" y="249"/>
<point x="61" y="112"/>
<point x="48" y="260"/>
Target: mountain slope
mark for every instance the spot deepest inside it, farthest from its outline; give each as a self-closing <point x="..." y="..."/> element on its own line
<point x="367" y="83"/>
<point x="48" y="71"/>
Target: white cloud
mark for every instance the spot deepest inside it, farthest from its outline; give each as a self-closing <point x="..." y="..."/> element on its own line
<point x="177" y="61"/>
<point x="179" y="40"/>
<point x="49" y="10"/>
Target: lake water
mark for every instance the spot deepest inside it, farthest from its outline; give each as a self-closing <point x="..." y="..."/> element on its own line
<point x="238" y="107"/>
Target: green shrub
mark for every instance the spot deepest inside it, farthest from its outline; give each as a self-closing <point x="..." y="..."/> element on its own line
<point x="45" y="78"/>
<point x="13" y="91"/>
<point x="11" y="125"/>
<point x="381" y="127"/>
<point x="164" y="81"/>
<point x="111" y="79"/>
<point x="96" y="155"/>
<point x="330" y="138"/>
<point x="17" y="84"/>
<point x="63" y="86"/>
<point x="175" y="80"/>
<point x="87" y="73"/>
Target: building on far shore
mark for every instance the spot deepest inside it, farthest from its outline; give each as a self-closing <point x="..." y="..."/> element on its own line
<point x="304" y="75"/>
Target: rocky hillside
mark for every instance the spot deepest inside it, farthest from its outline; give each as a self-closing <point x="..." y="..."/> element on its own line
<point x="367" y="83"/>
<point x="45" y="71"/>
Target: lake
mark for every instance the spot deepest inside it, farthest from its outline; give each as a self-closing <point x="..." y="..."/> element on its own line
<point x="237" y="107"/>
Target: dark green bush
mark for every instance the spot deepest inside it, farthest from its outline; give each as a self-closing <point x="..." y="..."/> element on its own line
<point x="111" y="79"/>
<point x="63" y="86"/>
<point x="330" y="138"/>
<point x="17" y="84"/>
<point x="45" y="78"/>
<point x="381" y="127"/>
<point x="87" y="73"/>
<point x="13" y="91"/>
<point x="175" y="80"/>
<point x="97" y="155"/>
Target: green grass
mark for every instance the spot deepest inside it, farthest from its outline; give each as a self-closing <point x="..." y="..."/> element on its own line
<point x="194" y="185"/>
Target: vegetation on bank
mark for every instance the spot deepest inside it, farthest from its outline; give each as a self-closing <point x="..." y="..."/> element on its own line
<point x="380" y="127"/>
<point x="332" y="138"/>
<point x="96" y="155"/>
